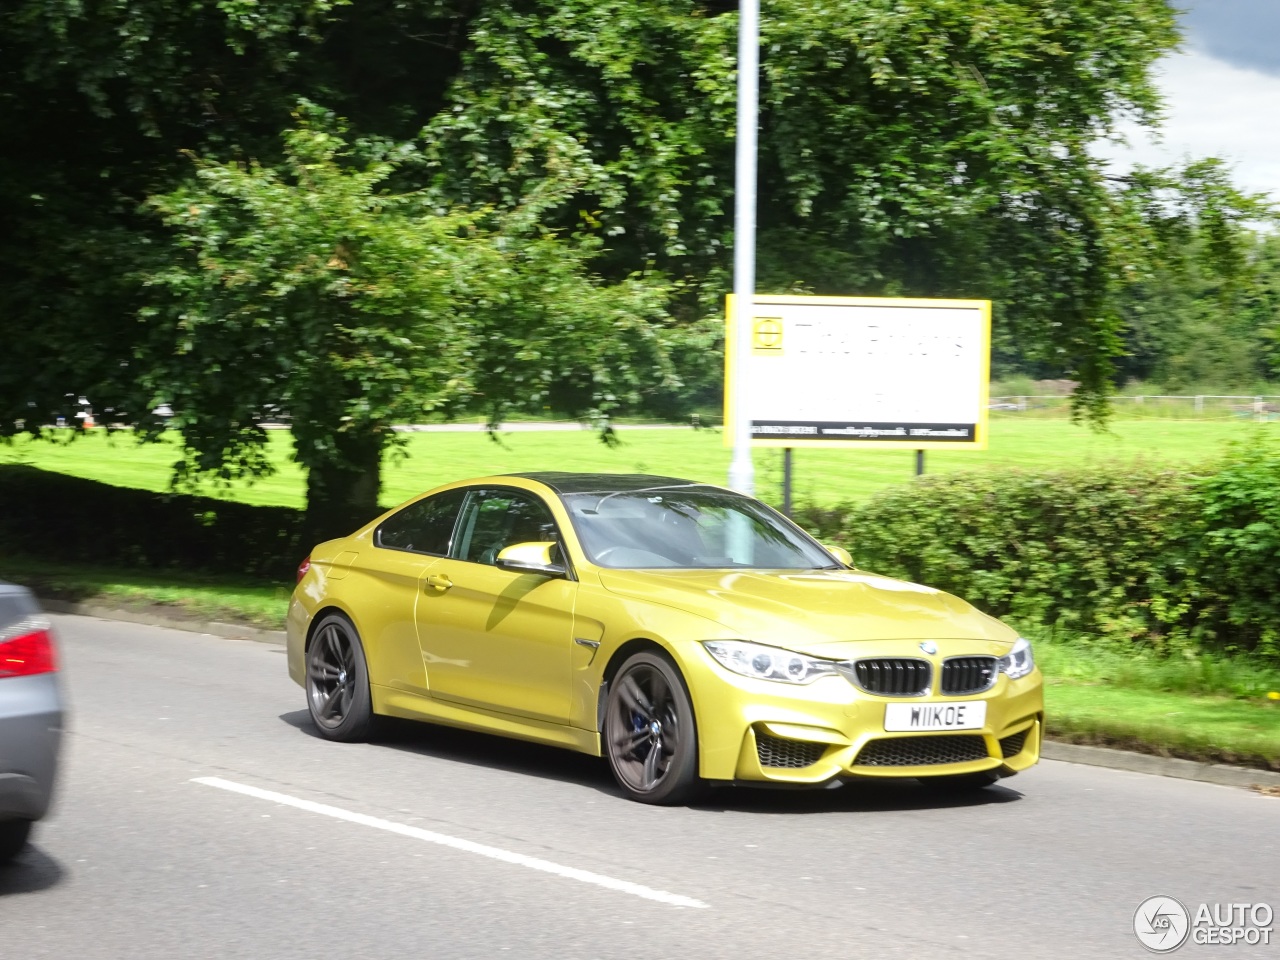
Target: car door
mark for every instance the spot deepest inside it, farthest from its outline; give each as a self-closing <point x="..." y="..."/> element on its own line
<point x="492" y="638"/>
<point x="387" y="583"/>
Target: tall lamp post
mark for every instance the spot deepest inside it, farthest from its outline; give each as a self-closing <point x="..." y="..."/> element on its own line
<point x="741" y="469"/>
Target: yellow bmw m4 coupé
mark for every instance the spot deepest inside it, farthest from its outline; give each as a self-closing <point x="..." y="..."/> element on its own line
<point x="685" y="632"/>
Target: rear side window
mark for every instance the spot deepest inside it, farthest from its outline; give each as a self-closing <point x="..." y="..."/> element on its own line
<point x="423" y="527"/>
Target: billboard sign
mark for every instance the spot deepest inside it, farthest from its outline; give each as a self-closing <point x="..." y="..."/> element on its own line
<point x="862" y="372"/>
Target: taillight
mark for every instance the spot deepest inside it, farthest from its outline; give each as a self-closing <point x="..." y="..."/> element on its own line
<point x="303" y="567"/>
<point x="27" y="649"/>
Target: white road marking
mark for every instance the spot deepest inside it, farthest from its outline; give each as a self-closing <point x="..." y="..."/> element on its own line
<point x="444" y="840"/>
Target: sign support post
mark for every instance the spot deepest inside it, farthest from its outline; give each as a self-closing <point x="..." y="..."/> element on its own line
<point x="741" y="469"/>
<point x="786" y="481"/>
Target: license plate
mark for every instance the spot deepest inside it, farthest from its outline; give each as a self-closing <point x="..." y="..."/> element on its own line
<point x="969" y="715"/>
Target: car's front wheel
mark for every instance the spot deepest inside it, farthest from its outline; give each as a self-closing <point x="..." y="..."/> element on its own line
<point x="13" y="837"/>
<point x="338" y="681"/>
<point x="651" y="738"/>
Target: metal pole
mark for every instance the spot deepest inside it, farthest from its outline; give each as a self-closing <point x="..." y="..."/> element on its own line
<point x="741" y="469"/>
<point x="786" y="481"/>
<point x="919" y="463"/>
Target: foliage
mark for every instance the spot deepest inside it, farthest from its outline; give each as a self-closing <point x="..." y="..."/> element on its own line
<point x="313" y="292"/>
<point x="74" y="520"/>
<point x="1072" y="550"/>
<point x="1173" y="561"/>
<point x="1188" y="326"/>
<point x="1237" y="524"/>
<point x="909" y="147"/>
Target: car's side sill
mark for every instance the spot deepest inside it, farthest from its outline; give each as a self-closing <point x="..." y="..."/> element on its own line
<point x="398" y="703"/>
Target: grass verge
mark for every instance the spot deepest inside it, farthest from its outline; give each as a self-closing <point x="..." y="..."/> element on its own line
<point x="1208" y="728"/>
<point x="169" y="594"/>
<point x="1209" y="708"/>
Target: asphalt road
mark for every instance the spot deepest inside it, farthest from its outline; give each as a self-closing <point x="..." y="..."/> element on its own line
<point x="199" y="816"/>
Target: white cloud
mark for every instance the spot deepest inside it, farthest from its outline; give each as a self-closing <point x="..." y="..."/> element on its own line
<point x="1213" y="109"/>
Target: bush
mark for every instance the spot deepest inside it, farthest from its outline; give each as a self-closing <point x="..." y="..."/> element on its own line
<point x="62" y="518"/>
<point x="1237" y="590"/>
<point x="1169" y="560"/>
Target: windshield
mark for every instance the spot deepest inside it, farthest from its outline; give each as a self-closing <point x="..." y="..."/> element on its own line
<point x="695" y="527"/>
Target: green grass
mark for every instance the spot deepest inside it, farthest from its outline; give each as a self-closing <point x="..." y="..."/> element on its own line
<point x="1199" y="708"/>
<point x="1215" y="729"/>
<point x="164" y="593"/>
<point x="1205" y="674"/>
<point x="821" y="476"/>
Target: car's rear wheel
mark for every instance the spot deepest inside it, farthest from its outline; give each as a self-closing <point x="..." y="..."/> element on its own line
<point x="338" y="681"/>
<point x="13" y="837"/>
<point x="651" y="738"/>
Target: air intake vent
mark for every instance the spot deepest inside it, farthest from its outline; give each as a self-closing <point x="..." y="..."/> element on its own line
<point x="922" y="751"/>
<point x="1012" y="745"/>
<point x="777" y="752"/>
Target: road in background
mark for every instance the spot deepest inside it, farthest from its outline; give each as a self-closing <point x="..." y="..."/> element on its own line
<point x="141" y="859"/>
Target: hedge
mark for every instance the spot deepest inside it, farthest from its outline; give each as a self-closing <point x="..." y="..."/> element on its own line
<point x="74" y="520"/>
<point x="1177" y="560"/>
<point x="1174" y="560"/>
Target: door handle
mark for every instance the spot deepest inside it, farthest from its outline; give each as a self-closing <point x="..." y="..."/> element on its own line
<point x="437" y="581"/>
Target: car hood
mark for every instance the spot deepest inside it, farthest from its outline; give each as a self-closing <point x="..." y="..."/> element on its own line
<point x="810" y="609"/>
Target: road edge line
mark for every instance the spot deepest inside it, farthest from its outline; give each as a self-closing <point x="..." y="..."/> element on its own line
<point x="456" y="843"/>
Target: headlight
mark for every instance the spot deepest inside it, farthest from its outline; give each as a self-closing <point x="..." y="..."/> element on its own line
<point x="1018" y="662"/>
<point x="767" y="663"/>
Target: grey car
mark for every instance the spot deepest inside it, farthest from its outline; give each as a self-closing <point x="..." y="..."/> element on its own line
<point x="31" y="711"/>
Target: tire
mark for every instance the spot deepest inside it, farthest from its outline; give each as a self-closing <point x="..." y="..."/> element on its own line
<point x="13" y="837"/>
<point x="962" y="782"/>
<point x="337" y="681"/>
<point x="650" y="734"/>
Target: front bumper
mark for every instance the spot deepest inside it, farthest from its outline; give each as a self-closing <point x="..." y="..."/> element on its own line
<point x="764" y="731"/>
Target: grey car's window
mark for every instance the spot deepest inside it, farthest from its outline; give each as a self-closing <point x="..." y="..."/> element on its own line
<point x="497" y="518"/>
<point x="423" y="527"/>
<point x="698" y="528"/>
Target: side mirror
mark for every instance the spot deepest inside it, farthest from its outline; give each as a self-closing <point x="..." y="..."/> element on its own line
<point x="840" y="553"/>
<point x="530" y="558"/>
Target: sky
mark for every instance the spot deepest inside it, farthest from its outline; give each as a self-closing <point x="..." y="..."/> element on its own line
<point x="1222" y="93"/>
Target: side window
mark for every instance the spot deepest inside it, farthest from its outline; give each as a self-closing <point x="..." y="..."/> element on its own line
<point x="494" y="519"/>
<point x="423" y="527"/>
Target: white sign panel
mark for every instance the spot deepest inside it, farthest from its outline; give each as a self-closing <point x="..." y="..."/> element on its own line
<point x="839" y="372"/>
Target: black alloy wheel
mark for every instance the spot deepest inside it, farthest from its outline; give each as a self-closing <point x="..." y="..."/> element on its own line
<point x="651" y="738"/>
<point x="338" y="681"/>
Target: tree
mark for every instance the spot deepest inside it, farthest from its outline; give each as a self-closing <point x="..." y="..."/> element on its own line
<point x="314" y="290"/>
<point x="1194" y="307"/>
<point x="909" y="147"/>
